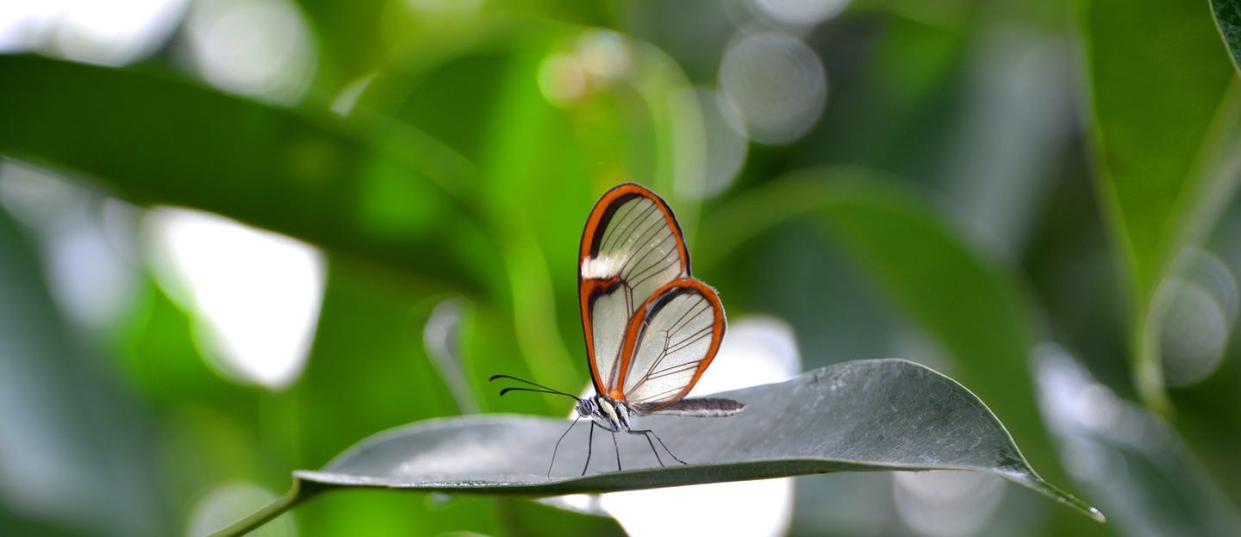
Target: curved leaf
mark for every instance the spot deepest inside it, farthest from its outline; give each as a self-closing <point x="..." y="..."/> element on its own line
<point x="855" y="416"/>
<point x="1228" y="19"/>
<point x="1161" y="104"/>
<point x="366" y="189"/>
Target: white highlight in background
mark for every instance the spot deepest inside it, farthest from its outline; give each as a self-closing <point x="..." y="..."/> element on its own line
<point x="230" y="503"/>
<point x="85" y="240"/>
<point x="256" y="294"/>
<point x="260" y="48"/>
<point x="1193" y="315"/>
<point x="726" y="141"/>
<point x="113" y="32"/>
<point x="800" y="12"/>
<point x="946" y="503"/>
<point x="777" y="83"/>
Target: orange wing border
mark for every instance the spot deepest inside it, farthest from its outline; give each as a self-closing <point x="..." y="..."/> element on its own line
<point x="630" y="344"/>
<point x="588" y="288"/>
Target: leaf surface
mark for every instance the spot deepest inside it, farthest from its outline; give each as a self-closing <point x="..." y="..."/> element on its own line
<point x="855" y="416"/>
<point x="370" y="189"/>
<point x="1164" y="109"/>
<point x="1228" y="19"/>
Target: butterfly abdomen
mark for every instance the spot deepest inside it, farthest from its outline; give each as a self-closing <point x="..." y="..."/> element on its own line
<point x="698" y="407"/>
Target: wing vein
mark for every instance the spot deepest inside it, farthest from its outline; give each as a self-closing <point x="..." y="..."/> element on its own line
<point x="692" y="338"/>
<point x="660" y="394"/>
<point x="625" y="226"/>
<point x="628" y="229"/>
<point x="690" y="314"/>
<point x="619" y="216"/>
<point x="654" y="269"/>
<point x="647" y="233"/>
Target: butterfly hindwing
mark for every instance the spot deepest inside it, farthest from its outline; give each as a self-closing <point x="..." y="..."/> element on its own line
<point x="669" y="342"/>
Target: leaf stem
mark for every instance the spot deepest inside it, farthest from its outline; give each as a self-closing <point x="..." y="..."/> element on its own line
<point x="294" y="496"/>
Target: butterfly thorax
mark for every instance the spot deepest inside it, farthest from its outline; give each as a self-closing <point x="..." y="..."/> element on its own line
<point x="609" y="413"/>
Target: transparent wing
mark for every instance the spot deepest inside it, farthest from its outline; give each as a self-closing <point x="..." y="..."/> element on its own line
<point x="632" y="246"/>
<point x="669" y="342"/>
<point x="605" y="319"/>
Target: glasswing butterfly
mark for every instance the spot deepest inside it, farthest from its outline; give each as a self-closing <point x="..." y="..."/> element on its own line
<point x="651" y="328"/>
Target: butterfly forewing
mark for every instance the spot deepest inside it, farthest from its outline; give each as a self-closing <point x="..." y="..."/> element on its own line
<point x="631" y="247"/>
<point x="669" y="342"/>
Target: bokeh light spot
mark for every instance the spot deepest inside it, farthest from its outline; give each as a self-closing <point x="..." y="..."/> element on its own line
<point x="800" y="12"/>
<point x="562" y="78"/>
<point x="1193" y="332"/>
<point x="256" y="293"/>
<point x="114" y="32"/>
<point x="348" y="97"/>
<point x="85" y="241"/>
<point x="261" y="48"/>
<point x="727" y="145"/>
<point x="604" y="54"/>
<point x="946" y="503"/>
<point x="1192" y="317"/>
<point x="230" y="503"/>
<point x="456" y="7"/>
<point x="778" y="84"/>
<point x="441" y="337"/>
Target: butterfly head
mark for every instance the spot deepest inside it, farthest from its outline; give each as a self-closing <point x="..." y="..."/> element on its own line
<point x="587" y="407"/>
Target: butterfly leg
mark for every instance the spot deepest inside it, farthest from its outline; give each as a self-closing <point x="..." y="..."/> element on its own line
<point x="647" y="434"/>
<point x="661" y="442"/>
<point x="590" y="442"/>
<point x="617" y="446"/>
<point x="557" y="448"/>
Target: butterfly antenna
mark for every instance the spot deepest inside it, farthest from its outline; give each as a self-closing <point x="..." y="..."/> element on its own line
<point x="493" y="378"/>
<point x="544" y="389"/>
<point x="524" y="389"/>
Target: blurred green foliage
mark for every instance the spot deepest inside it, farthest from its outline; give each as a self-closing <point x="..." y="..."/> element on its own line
<point x="984" y="177"/>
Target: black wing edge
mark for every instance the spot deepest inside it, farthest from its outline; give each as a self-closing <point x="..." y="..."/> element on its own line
<point x="697" y="407"/>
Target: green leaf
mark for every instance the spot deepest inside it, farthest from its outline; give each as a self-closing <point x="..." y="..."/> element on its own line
<point x="965" y="302"/>
<point x="72" y="441"/>
<point x="1228" y="19"/>
<point x="1163" y="489"/>
<point x="1159" y="88"/>
<point x="863" y="415"/>
<point x="366" y="189"/>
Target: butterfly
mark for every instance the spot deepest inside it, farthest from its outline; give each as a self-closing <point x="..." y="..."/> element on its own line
<point x="651" y="328"/>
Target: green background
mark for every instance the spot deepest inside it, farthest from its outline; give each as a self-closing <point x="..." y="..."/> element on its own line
<point x="987" y="182"/>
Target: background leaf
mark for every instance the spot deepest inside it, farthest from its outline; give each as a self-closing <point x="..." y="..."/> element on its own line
<point x="71" y="439"/>
<point x="1155" y="180"/>
<point x="1162" y="490"/>
<point x="955" y="204"/>
<point x="379" y="194"/>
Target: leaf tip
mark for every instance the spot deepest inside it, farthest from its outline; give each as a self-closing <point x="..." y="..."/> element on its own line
<point x="1049" y="490"/>
<point x="1097" y="515"/>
